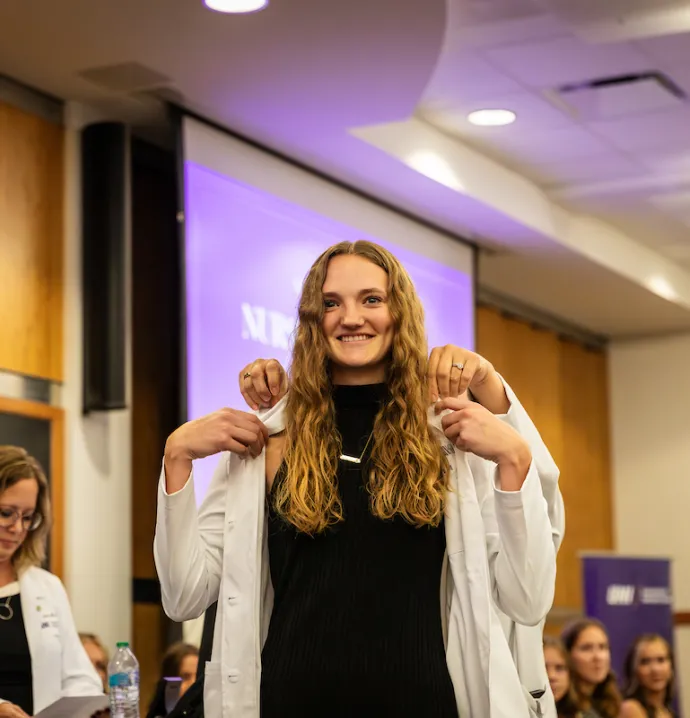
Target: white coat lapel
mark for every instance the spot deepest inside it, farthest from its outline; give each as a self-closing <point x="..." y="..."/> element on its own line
<point x="32" y="610"/>
<point x="42" y="630"/>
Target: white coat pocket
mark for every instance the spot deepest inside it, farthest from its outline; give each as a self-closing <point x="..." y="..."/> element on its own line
<point x="213" y="683"/>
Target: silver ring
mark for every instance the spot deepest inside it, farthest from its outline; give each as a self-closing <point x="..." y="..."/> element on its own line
<point x="458" y="365"/>
<point x="247" y="374"/>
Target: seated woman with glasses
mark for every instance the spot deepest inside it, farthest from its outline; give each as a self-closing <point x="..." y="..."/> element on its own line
<point x="41" y="656"/>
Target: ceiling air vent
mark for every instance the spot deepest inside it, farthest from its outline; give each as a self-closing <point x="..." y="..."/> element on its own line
<point x="125" y="77"/>
<point x="621" y="96"/>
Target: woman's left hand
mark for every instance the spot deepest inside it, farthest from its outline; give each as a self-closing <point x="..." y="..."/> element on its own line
<point x="453" y="370"/>
<point x="473" y="428"/>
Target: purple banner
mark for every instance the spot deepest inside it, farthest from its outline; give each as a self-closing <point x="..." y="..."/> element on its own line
<point x="630" y="596"/>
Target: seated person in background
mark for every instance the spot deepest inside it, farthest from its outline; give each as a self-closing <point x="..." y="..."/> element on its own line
<point x="181" y="660"/>
<point x="41" y="657"/>
<point x="649" y="679"/>
<point x="594" y="683"/>
<point x="97" y="654"/>
<point x="558" y="670"/>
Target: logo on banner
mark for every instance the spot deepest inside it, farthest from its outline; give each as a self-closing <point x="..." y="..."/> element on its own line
<point x="273" y="329"/>
<point x="619" y="595"/>
<point x="627" y="595"/>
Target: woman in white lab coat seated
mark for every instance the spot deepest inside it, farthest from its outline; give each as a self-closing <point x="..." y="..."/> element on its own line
<point x="41" y="656"/>
<point x="360" y="542"/>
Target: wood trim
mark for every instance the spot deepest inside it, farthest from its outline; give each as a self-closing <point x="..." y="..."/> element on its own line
<point x="56" y="417"/>
<point x="681" y="618"/>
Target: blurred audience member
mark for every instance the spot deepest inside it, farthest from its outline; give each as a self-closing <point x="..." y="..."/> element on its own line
<point x="180" y="661"/>
<point x="558" y="670"/>
<point x="41" y="657"/>
<point x="97" y="654"/>
<point x="593" y="681"/>
<point x="649" y="672"/>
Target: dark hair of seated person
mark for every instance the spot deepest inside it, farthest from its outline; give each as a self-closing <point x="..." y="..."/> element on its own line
<point x="172" y="663"/>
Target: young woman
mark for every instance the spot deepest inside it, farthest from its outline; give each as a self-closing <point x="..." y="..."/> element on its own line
<point x="41" y="656"/>
<point x="558" y="669"/>
<point x="327" y="543"/>
<point x="594" y="683"/>
<point x="649" y="672"/>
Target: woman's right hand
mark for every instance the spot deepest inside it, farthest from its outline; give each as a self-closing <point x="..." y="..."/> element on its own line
<point x="9" y="710"/>
<point x="224" y="430"/>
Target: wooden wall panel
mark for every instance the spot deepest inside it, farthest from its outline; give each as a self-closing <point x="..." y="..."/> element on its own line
<point x="31" y="244"/>
<point x="585" y="470"/>
<point x="564" y="388"/>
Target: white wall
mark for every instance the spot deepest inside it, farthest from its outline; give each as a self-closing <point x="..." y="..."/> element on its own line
<point x="98" y="552"/>
<point x="650" y="419"/>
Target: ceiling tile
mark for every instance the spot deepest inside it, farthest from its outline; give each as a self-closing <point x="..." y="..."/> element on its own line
<point x="546" y="147"/>
<point x="671" y="50"/>
<point x="461" y="76"/>
<point x="527" y="28"/>
<point x="566" y="60"/>
<point x="660" y="130"/>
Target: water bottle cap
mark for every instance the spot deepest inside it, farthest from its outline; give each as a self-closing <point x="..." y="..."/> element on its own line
<point x="123" y="644"/>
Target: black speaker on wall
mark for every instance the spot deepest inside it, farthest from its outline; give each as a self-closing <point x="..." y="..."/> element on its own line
<point x="104" y="162"/>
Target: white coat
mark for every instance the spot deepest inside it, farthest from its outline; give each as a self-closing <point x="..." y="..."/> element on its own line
<point x="59" y="664"/>
<point x="500" y="561"/>
<point x="526" y="641"/>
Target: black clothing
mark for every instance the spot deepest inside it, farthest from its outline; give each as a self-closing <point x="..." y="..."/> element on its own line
<point x="16" y="684"/>
<point x="356" y="625"/>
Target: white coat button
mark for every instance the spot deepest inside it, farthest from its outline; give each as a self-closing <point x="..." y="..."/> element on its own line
<point x="232" y="600"/>
<point x="231" y="523"/>
<point x="233" y="676"/>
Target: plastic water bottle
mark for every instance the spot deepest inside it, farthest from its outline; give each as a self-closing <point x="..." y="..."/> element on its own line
<point x="123" y="681"/>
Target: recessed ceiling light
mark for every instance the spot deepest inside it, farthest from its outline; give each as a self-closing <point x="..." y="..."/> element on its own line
<point x="492" y="118"/>
<point x="236" y="5"/>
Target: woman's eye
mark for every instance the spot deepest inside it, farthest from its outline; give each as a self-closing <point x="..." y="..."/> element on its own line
<point x="328" y="303"/>
<point x="373" y="300"/>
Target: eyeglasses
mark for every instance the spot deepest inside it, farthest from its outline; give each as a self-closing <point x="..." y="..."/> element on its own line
<point x="9" y="517"/>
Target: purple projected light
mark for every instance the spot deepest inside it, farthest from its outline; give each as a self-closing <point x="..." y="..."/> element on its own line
<point x="247" y="253"/>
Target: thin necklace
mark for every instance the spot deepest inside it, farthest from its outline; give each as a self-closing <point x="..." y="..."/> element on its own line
<point x="355" y="459"/>
<point x="5" y="606"/>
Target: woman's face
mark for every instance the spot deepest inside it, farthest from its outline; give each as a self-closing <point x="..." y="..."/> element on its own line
<point x="188" y="669"/>
<point x="590" y="656"/>
<point x="17" y="507"/>
<point x="357" y="322"/>
<point x="654" y="669"/>
<point x="557" y="671"/>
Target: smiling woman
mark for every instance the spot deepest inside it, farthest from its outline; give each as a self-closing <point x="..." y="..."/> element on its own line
<point x="649" y="678"/>
<point x="41" y="656"/>
<point x="338" y="517"/>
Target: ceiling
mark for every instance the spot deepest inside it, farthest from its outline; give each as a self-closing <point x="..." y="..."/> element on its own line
<point x="620" y="152"/>
<point x="305" y="75"/>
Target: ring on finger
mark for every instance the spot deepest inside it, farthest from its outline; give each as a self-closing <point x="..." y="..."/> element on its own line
<point x="246" y="375"/>
<point x="458" y="365"/>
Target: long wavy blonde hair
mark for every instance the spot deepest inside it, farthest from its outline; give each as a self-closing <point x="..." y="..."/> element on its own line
<point x="408" y="469"/>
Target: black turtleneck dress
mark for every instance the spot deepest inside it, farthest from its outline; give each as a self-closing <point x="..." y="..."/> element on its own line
<point x="356" y="625"/>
